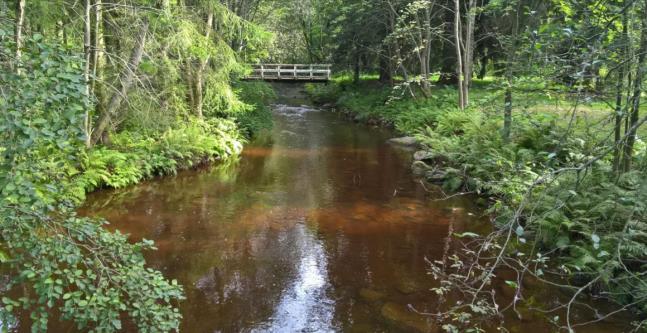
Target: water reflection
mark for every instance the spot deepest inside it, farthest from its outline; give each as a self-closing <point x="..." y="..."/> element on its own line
<point x="319" y="227"/>
<point x="304" y="305"/>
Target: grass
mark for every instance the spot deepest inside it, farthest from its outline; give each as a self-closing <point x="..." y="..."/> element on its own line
<point x="580" y="216"/>
<point x="374" y="102"/>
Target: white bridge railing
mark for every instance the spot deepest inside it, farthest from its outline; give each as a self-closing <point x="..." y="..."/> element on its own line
<point x="291" y="72"/>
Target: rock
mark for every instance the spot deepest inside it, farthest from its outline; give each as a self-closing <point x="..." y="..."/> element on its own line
<point x="423" y="155"/>
<point x="401" y="315"/>
<point x="370" y="294"/>
<point x="288" y="133"/>
<point x="436" y="176"/>
<point x="408" y="141"/>
<point x="421" y="168"/>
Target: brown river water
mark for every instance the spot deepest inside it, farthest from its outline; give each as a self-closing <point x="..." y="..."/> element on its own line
<point x="319" y="227"/>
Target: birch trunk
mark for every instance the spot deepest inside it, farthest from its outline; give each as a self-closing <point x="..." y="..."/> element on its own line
<point x="459" y="56"/>
<point x="20" y="22"/>
<point x="87" y="51"/>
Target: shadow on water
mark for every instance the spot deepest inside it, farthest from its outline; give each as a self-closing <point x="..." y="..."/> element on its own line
<point x="318" y="227"/>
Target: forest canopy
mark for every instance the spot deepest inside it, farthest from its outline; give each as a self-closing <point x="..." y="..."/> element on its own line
<point x="537" y="107"/>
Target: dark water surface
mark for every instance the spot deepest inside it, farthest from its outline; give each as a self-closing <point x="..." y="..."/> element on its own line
<point x="319" y="227"/>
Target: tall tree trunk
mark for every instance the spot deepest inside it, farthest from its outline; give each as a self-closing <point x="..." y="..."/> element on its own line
<point x="507" y="112"/>
<point x="357" y="67"/>
<point x="126" y="79"/>
<point x="459" y="56"/>
<point x="468" y="54"/>
<point x="425" y="53"/>
<point x="385" y="66"/>
<point x="199" y="75"/>
<point x="20" y="22"/>
<point x="87" y="51"/>
<point x="509" y="75"/>
<point x="483" y="69"/>
<point x="635" y="105"/>
<point x="96" y="42"/>
<point x="617" y="138"/>
<point x="448" y="50"/>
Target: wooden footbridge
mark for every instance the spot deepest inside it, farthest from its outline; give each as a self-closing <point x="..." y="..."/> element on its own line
<point x="290" y="72"/>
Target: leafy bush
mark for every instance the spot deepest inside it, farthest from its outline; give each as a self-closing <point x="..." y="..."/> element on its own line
<point x="592" y="222"/>
<point x="52" y="258"/>
<point x="134" y="157"/>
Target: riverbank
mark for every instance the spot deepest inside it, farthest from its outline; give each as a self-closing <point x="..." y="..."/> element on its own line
<point x="47" y="249"/>
<point x="552" y="187"/>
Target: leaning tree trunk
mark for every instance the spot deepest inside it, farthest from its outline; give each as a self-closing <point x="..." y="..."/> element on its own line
<point x="509" y="76"/>
<point x="635" y="105"/>
<point x="126" y="78"/>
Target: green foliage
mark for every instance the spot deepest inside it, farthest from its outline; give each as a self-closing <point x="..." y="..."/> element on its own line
<point x="54" y="258"/>
<point x="258" y="117"/>
<point x="593" y="222"/>
<point x="133" y="157"/>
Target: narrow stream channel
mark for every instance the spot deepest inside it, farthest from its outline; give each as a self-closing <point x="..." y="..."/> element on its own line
<point x="319" y="227"/>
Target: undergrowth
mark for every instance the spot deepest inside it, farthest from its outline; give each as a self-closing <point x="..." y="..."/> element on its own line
<point x="551" y="183"/>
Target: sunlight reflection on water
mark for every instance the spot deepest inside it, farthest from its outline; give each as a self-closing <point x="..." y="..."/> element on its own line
<point x="304" y="305"/>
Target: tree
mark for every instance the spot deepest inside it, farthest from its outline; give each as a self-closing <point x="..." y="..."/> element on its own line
<point x="20" y="21"/>
<point x="126" y="80"/>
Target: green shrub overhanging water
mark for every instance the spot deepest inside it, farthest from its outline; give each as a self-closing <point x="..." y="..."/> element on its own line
<point x="50" y="257"/>
<point x="553" y="178"/>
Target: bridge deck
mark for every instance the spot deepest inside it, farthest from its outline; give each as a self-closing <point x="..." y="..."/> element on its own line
<point x="291" y="72"/>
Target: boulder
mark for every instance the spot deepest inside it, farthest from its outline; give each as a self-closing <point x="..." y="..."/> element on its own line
<point x="421" y="168"/>
<point x="436" y="176"/>
<point x="423" y="155"/>
<point x="407" y="141"/>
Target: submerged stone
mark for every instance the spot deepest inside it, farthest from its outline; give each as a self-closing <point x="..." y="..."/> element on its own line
<point x="403" y="316"/>
<point x="408" y="285"/>
<point x="371" y="295"/>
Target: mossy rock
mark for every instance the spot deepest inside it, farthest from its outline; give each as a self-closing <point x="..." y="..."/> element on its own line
<point x="401" y="315"/>
<point x="421" y="168"/>
<point x="423" y="155"/>
<point x="407" y="141"/>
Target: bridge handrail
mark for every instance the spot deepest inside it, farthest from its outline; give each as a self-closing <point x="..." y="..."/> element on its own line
<point x="313" y="72"/>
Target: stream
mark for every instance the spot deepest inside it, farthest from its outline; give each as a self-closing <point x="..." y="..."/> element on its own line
<point x="320" y="226"/>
